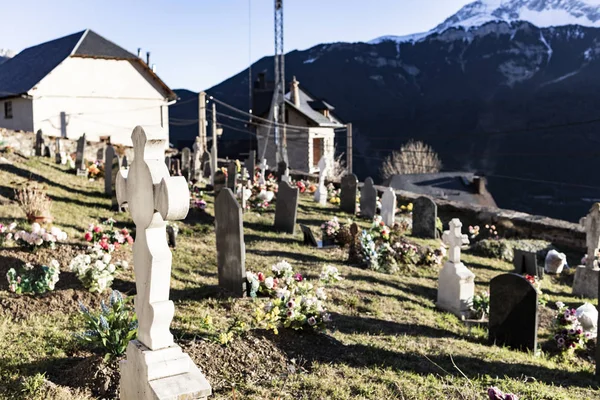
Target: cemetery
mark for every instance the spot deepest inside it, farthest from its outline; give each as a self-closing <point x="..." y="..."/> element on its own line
<point x="184" y="277"/>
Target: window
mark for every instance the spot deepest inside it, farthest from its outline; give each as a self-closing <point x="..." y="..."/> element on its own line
<point x="317" y="147"/>
<point x="8" y="114"/>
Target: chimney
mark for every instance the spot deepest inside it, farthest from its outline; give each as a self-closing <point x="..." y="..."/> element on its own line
<point x="480" y="184"/>
<point x="148" y="58"/>
<point x="154" y="68"/>
<point x="139" y="52"/>
<point x="295" y="93"/>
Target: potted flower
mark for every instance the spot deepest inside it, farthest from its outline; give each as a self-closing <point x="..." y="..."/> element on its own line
<point x="34" y="202"/>
<point x="330" y="230"/>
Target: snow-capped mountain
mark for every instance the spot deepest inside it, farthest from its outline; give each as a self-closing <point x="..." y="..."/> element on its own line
<point x="5" y="54"/>
<point x="541" y="13"/>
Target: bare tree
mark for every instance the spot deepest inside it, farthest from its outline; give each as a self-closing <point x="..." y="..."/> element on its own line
<point x="337" y="169"/>
<point x="413" y="157"/>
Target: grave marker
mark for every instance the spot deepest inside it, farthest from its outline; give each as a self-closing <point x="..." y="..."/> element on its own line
<point x="368" y="199"/>
<point x="281" y="168"/>
<point x="321" y="193"/>
<point x="155" y="367"/>
<point x="111" y="170"/>
<point x="586" y="276"/>
<point x="232" y="175"/>
<point x="79" y="156"/>
<point x="456" y="284"/>
<point x="388" y="207"/>
<point x="171" y="236"/>
<point x="286" y="208"/>
<point x="348" y="193"/>
<point x="60" y="156"/>
<point x="310" y="240"/>
<point x="219" y="183"/>
<point x="525" y="262"/>
<point x="250" y="164"/>
<point x="231" y="250"/>
<point x="197" y="170"/>
<point x="206" y="165"/>
<point x="263" y="168"/>
<point x="40" y="144"/>
<point x="513" y="312"/>
<point x="424" y="218"/>
<point x="100" y="154"/>
<point x="186" y="162"/>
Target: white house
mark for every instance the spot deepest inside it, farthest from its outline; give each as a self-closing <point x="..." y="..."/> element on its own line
<point x="82" y="83"/>
<point x="312" y="132"/>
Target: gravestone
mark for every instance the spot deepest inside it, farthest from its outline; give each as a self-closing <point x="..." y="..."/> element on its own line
<point x="310" y="240"/>
<point x="348" y="193"/>
<point x="368" y="199"/>
<point x="111" y="169"/>
<point x="456" y="284"/>
<point x="80" y="156"/>
<point x="586" y="276"/>
<point x="47" y="151"/>
<point x="196" y="163"/>
<point x="513" y="312"/>
<point x="40" y="144"/>
<point x="250" y="164"/>
<point x="286" y="176"/>
<point x="171" y="236"/>
<point x="388" y="207"/>
<point x="100" y="154"/>
<point x="232" y="175"/>
<point x="263" y="168"/>
<point x="186" y="157"/>
<point x="354" y="251"/>
<point x="60" y="155"/>
<point x="281" y="168"/>
<point x="525" y="262"/>
<point x="155" y="366"/>
<point x="176" y="167"/>
<point x="206" y="165"/>
<point x="286" y="208"/>
<point x="124" y="162"/>
<point x="321" y="192"/>
<point x="424" y="218"/>
<point x="219" y="182"/>
<point x="168" y="164"/>
<point x="231" y="251"/>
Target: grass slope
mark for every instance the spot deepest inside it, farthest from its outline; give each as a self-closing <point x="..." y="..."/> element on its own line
<point x="386" y="341"/>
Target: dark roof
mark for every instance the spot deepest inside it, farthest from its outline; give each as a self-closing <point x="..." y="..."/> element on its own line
<point x="456" y="186"/>
<point x="21" y="73"/>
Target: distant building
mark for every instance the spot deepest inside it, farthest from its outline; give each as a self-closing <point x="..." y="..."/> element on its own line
<point x="312" y="135"/>
<point x="465" y="187"/>
<point x="82" y="83"/>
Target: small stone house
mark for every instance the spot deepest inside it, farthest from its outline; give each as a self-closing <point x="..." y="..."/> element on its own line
<point x="82" y="83"/>
<point x="312" y="132"/>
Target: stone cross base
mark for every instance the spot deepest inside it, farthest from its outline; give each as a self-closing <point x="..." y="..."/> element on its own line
<point x="586" y="282"/>
<point x="456" y="287"/>
<point x="82" y="172"/>
<point x="321" y="195"/>
<point x="160" y="375"/>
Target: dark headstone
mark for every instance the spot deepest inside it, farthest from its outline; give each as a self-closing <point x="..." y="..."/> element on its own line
<point x="513" y="312"/>
<point x="80" y="154"/>
<point x="100" y="154"/>
<point x="250" y="165"/>
<point x="124" y="162"/>
<point x="281" y="168"/>
<point x="171" y="236"/>
<point x="219" y="183"/>
<point x="348" y="193"/>
<point x="176" y="167"/>
<point x="58" y="148"/>
<point x="424" y="218"/>
<point x="354" y="252"/>
<point x="168" y="163"/>
<point x="368" y="199"/>
<point x="309" y="237"/>
<point x="231" y="251"/>
<point x="232" y="175"/>
<point x="47" y="152"/>
<point x="525" y="262"/>
<point x="205" y="164"/>
<point x="111" y="169"/>
<point x="39" y="144"/>
<point x="286" y="208"/>
<point x="186" y="165"/>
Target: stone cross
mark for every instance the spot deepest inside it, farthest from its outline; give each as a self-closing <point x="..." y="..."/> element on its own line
<point x="455" y="239"/>
<point x="155" y="368"/>
<point x="321" y="192"/>
<point x="592" y="234"/>
<point x="263" y="167"/>
<point x="388" y="207"/>
<point x="39" y="143"/>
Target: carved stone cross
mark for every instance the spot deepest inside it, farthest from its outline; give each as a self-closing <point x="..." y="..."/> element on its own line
<point x="592" y="234"/>
<point x="455" y="239"/>
<point x="263" y="167"/>
<point x="321" y="193"/>
<point x="154" y="364"/>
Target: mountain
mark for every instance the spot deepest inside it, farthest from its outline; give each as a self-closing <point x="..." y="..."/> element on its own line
<point x="516" y="102"/>
<point x="5" y="54"/>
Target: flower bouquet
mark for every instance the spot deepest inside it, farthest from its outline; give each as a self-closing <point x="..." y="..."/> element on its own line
<point x="39" y="237"/>
<point x="29" y="279"/>
<point x="95" y="269"/>
<point x="107" y="237"/>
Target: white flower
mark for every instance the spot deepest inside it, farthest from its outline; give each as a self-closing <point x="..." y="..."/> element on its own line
<point x="312" y="321"/>
<point x="326" y="317"/>
<point x="12" y="226"/>
<point x="111" y="268"/>
<point x="99" y="265"/>
<point x="87" y="259"/>
<point x="560" y="304"/>
<point x="124" y="264"/>
<point x="54" y="264"/>
<point x="39" y="241"/>
<point x="35" y="227"/>
<point x="28" y="267"/>
<point x="320" y="293"/>
<point x="269" y="282"/>
<point x="106" y="258"/>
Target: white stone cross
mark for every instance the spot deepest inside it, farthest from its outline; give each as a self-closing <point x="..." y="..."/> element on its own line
<point x="153" y="197"/>
<point x="455" y="239"/>
<point x="592" y="234"/>
<point x="263" y="167"/>
<point x="321" y="193"/>
<point x="388" y="207"/>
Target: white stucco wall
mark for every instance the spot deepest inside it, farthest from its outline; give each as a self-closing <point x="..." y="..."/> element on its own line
<point x="99" y="98"/>
<point x="22" y="115"/>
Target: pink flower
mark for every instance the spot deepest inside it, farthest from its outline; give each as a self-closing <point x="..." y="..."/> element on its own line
<point x="495" y="394"/>
<point x="298" y="277"/>
<point x="97" y="229"/>
<point x="129" y="239"/>
<point x="88" y="236"/>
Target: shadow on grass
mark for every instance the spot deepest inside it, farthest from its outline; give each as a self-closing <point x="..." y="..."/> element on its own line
<point x="287" y="255"/>
<point x="283" y="238"/>
<point x="472" y="265"/>
<point x="199" y="292"/>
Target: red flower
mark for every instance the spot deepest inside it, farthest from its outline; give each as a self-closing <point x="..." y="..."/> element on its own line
<point x="88" y="236"/>
<point x="261" y="277"/>
<point x="382" y="223"/>
<point x="124" y="231"/>
<point x="97" y="229"/>
<point x="104" y="244"/>
<point x="530" y="278"/>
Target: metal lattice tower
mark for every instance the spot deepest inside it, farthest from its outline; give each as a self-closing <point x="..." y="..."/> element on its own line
<point x="279" y="95"/>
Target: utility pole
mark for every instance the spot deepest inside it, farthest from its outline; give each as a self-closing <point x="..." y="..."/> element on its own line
<point x="280" y="84"/>
<point x="202" y="121"/>
<point x="349" y="148"/>
<point x="213" y="157"/>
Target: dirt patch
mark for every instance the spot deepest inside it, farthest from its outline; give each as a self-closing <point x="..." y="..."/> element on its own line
<point x="546" y="318"/>
<point x="251" y="359"/>
<point x="91" y="372"/>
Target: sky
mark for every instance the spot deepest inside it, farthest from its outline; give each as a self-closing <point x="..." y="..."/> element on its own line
<point x="197" y="44"/>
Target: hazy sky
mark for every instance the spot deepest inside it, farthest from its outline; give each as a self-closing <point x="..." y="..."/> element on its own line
<point x="196" y="44"/>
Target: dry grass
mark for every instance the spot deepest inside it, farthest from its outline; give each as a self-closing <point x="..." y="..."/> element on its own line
<point x="387" y="339"/>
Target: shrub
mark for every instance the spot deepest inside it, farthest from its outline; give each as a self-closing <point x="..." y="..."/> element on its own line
<point x="111" y="329"/>
<point x="28" y="279"/>
<point x="480" y="306"/>
<point x="33" y="199"/>
<point x="493" y="248"/>
<point x="95" y="269"/>
<point x="413" y="158"/>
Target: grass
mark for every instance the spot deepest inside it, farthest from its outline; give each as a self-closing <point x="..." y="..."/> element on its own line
<point x="387" y="339"/>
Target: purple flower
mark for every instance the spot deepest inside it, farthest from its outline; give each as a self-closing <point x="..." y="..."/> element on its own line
<point x="510" y="396"/>
<point x="495" y="393"/>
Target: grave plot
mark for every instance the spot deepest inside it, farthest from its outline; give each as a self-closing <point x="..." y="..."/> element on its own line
<point x="376" y="333"/>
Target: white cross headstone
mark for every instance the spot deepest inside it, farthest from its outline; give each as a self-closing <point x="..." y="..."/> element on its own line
<point x="321" y="193"/>
<point x="456" y="283"/>
<point x="388" y="207"/>
<point x="263" y="167"/>
<point x="155" y="367"/>
<point x="586" y="276"/>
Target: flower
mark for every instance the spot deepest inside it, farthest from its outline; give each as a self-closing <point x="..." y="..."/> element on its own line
<point x="269" y="282"/>
<point x="298" y="277"/>
<point x="312" y="321"/>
